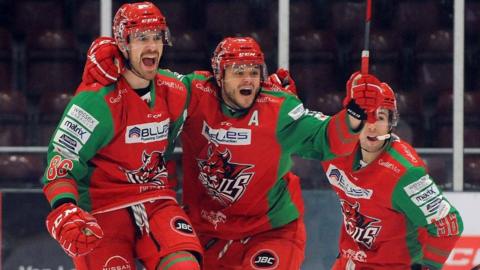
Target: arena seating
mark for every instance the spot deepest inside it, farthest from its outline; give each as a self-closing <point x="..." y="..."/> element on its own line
<point x="51" y="54"/>
<point x="5" y="58"/>
<point x="13" y="118"/>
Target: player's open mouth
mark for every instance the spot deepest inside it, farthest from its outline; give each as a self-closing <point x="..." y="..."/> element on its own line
<point x="372" y="138"/>
<point x="149" y="62"/>
<point x="246" y="91"/>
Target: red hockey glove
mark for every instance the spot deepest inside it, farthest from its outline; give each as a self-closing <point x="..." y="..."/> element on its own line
<point x="76" y="230"/>
<point x="104" y="62"/>
<point x="283" y="80"/>
<point x="363" y="97"/>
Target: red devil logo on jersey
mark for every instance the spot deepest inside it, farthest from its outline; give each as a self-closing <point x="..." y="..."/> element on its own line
<point x="153" y="170"/>
<point x="360" y="227"/>
<point x="225" y="181"/>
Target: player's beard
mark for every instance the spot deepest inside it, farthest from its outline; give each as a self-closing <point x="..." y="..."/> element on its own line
<point x="145" y="71"/>
<point x="234" y="98"/>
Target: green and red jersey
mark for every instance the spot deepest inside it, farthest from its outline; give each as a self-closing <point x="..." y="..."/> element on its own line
<point x="394" y="214"/>
<point x="108" y="149"/>
<point x="236" y="163"/>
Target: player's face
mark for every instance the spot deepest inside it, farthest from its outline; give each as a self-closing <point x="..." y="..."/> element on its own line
<point x="241" y="84"/>
<point x="368" y="140"/>
<point x="145" y="51"/>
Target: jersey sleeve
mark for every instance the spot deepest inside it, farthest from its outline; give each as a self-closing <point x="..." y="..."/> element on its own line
<point x="418" y="197"/>
<point x="85" y="127"/>
<point x="312" y="134"/>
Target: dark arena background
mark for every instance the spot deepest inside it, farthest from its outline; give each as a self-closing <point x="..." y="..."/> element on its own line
<point x="427" y="50"/>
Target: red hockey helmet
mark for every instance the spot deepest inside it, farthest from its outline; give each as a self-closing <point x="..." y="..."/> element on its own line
<point x="237" y="51"/>
<point x="389" y="102"/>
<point x="138" y="17"/>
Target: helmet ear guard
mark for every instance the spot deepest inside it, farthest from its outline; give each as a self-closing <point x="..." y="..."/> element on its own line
<point x="237" y="51"/>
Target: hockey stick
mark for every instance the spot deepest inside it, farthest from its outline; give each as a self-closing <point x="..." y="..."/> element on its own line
<point x="366" y="52"/>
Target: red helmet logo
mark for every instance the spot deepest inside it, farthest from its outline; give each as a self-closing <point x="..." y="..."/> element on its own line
<point x="237" y="50"/>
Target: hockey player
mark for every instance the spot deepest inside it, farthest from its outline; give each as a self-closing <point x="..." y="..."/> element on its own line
<point x="106" y="178"/>
<point x="237" y="144"/>
<point x="394" y="216"/>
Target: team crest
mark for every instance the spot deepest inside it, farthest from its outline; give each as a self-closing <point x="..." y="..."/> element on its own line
<point x="360" y="227"/>
<point x="225" y="181"/>
<point x="153" y="170"/>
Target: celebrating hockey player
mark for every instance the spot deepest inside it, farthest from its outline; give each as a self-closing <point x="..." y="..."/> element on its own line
<point x="106" y="178"/>
<point x="394" y="216"/>
<point x="237" y="143"/>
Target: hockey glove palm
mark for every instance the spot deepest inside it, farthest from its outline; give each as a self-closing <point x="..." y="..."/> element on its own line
<point x="76" y="230"/>
<point x="364" y="96"/>
<point x="104" y="62"/>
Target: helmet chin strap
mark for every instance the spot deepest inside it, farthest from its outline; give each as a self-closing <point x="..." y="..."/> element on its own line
<point x="383" y="137"/>
<point x="386" y="136"/>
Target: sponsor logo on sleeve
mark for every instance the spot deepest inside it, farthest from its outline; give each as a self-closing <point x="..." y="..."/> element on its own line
<point x="426" y="195"/>
<point x="83" y="117"/>
<point x="338" y="178"/>
<point x="320" y="116"/>
<point x="64" y="152"/>
<point x="67" y="141"/>
<point x="75" y="129"/>
<point x="147" y="133"/>
<point x="418" y="185"/>
<point x="231" y="136"/>
<point x="432" y="206"/>
<point x="441" y="212"/>
<point x="297" y="112"/>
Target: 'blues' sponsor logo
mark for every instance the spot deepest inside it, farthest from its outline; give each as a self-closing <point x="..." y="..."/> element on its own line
<point x="134" y="132"/>
<point x="231" y="136"/>
<point x="146" y="133"/>
<point x="338" y="178"/>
